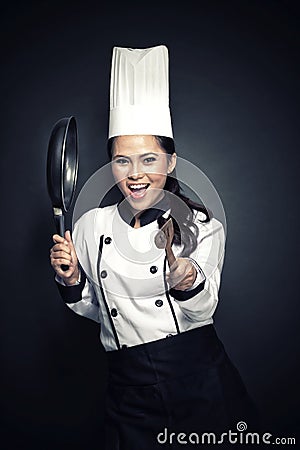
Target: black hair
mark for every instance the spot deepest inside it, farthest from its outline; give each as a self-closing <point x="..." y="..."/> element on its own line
<point x="185" y="230"/>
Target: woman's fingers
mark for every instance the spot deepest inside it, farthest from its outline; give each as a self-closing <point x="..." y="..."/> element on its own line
<point x="65" y="274"/>
<point x="63" y="254"/>
<point x="182" y="274"/>
<point x="57" y="263"/>
<point x="186" y="284"/>
<point x="58" y="258"/>
<point x="57" y="239"/>
<point x="63" y="244"/>
<point x="68" y="236"/>
<point x="71" y="246"/>
<point x="180" y="270"/>
<point x="64" y="247"/>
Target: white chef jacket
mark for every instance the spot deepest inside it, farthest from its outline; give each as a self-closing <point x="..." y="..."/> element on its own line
<point x="123" y="285"/>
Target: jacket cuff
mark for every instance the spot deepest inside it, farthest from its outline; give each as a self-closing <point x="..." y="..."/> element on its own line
<point x="186" y="295"/>
<point x="72" y="294"/>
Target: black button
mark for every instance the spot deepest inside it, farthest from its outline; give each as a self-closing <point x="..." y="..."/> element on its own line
<point x="114" y="312"/>
<point x="159" y="302"/>
<point x="153" y="269"/>
<point x="124" y="346"/>
<point x="107" y="240"/>
<point x="169" y="335"/>
<point x="103" y="274"/>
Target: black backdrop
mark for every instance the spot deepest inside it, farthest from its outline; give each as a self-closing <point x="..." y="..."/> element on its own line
<point x="234" y="70"/>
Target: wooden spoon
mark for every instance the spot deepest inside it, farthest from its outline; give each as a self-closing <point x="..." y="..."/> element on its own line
<point x="164" y="238"/>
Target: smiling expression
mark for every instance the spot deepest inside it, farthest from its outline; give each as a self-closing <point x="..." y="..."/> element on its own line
<point x="140" y="168"/>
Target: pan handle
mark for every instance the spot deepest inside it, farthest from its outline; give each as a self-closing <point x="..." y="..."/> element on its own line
<point x="60" y="229"/>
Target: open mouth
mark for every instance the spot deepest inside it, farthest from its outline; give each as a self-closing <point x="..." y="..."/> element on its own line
<point x="138" y="190"/>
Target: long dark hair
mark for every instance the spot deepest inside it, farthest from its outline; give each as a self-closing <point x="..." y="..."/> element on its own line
<point x="185" y="230"/>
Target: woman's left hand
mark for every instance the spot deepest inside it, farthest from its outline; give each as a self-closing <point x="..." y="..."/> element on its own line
<point x="182" y="274"/>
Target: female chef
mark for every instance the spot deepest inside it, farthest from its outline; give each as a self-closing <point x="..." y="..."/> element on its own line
<point x="170" y="378"/>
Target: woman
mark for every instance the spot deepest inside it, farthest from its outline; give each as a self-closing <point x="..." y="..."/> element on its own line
<point x="168" y="372"/>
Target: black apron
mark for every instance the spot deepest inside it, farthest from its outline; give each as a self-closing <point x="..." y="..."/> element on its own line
<point x="180" y="384"/>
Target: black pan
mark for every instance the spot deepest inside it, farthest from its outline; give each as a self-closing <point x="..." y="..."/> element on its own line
<point x="62" y="168"/>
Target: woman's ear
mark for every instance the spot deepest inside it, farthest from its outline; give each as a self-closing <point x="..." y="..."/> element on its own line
<point x="172" y="162"/>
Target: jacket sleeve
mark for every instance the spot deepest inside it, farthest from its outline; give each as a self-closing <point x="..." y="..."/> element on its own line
<point x="200" y="302"/>
<point x="81" y="297"/>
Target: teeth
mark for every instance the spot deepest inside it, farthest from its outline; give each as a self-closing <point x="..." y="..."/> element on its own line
<point x="137" y="186"/>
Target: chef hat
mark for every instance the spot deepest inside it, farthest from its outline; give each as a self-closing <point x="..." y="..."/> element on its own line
<point x="139" y="92"/>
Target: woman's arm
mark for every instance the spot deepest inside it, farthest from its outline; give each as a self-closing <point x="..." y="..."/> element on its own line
<point x="201" y="300"/>
<point x="80" y="297"/>
<point x="74" y="287"/>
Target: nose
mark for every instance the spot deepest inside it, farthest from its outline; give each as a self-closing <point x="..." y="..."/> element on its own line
<point x="135" y="172"/>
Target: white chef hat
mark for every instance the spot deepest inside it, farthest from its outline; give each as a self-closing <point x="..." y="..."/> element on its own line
<point x="139" y="92"/>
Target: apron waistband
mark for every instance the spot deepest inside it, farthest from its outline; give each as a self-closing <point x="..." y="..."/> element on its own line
<point x="165" y="358"/>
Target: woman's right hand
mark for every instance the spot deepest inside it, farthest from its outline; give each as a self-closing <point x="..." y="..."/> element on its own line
<point x="63" y="253"/>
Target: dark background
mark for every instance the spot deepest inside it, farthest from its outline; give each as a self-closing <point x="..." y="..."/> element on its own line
<point x="234" y="70"/>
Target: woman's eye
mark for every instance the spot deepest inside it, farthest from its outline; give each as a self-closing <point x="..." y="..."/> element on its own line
<point x="121" y="161"/>
<point x="149" y="159"/>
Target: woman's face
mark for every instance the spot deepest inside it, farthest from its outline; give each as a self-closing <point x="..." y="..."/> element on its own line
<point x="140" y="167"/>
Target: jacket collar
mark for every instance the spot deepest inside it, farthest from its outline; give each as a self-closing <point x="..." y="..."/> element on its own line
<point x="147" y="216"/>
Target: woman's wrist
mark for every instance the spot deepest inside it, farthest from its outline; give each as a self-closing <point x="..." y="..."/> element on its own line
<point x="74" y="279"/>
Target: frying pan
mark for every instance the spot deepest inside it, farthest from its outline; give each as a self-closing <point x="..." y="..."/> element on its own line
<point x="62" y="168"/>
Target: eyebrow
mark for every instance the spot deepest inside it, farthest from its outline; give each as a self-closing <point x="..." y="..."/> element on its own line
<point x="144" y="154"/>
